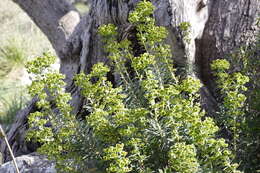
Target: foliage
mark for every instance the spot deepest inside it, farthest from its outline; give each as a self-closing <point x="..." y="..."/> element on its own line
<point x="12" y="99"/>
<point x="232" y="107"/>
<point x="13" y="53"/>
<point x="240" y="102"/>
<point x="57" y="142"/>
<point x="250" y="56"/>
<point x="10" y="109"/>
<point x="151" y="122"/>
<point x="185" y="30"/>
<point x="12" y="56"/>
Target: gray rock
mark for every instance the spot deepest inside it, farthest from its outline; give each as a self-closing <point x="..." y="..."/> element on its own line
<point x="31" y="163"/>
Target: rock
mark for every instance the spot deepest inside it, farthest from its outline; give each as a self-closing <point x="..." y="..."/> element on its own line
<point x="31" y="163"/>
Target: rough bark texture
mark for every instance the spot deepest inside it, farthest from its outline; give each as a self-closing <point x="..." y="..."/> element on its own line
<point x="230" y="25"/>
<point x="217" y="27"/>
<point x="56" y="18"/>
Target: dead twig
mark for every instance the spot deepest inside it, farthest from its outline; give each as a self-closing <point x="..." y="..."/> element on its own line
<point x="2" y="135"/>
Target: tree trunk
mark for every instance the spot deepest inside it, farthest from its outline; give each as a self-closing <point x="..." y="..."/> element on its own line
<point x="231" y="24"/>
<point x="217" y="28"/>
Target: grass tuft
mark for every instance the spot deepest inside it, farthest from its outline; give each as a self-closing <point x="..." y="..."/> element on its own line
<point x="10" y="109"/>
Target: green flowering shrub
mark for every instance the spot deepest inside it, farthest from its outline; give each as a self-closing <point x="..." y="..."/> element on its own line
<point x="183" y="158"/>
<point x="53" y="128"/>
<point x="240" y="102"/>
<point x="185" y="31"/>
<point x="151" y="122"/>
<point x="232" y="86"/>
<point x="249" y="63"/>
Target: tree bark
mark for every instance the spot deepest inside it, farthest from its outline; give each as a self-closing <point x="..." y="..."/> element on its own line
<point x="57" y="19"/>
<point x="231" y="24"/>
<point x="216" y="29"/>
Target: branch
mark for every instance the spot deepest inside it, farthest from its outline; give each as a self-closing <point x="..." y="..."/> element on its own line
<point x="56" y="18"/>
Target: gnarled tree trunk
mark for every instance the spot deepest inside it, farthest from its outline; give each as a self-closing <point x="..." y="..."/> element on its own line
<point x="217" y="27"/>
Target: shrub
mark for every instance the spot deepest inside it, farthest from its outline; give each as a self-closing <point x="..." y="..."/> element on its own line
<point x="232" y="107"/>
<point x="151" y="122"/>
<point x="240" y="103"/>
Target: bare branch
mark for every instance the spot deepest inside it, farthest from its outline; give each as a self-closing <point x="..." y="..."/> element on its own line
<point x="56" y="18"/>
